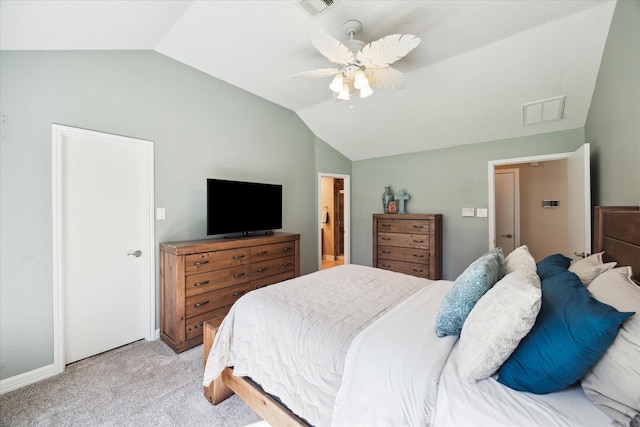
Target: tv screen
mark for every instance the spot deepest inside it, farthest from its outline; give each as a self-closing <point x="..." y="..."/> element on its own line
<point x="242" y="207"/>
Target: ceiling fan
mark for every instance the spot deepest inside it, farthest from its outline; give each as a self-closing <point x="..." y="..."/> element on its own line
<point x="363" y="67"/>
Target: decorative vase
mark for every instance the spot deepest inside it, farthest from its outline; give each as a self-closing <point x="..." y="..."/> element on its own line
<point x="387" y="197"/>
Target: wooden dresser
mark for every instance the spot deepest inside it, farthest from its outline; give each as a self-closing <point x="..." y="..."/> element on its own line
<point x="408" y="243"/>
<point x="201" y="279"/>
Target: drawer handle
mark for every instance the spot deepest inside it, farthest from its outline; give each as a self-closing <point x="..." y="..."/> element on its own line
<point x="386" y="252"/>
<point x="386" y="265"/>
<point x="262" y="252"/>
<point x="197" y="325"/>
<point x="200" y="304"/>
<point x="288" y="248"/>
<point x="387" y="238"/>
<point x="418" y="241"/>
<point x="238" y="257"/>
<point x="418" y="256"/>
<point x="235" y="294"/>
<point x="260" y="270"/>
<point x="235" y="276"/>
<point x="261" y="286"/>
<point x="418" y="226"/>
<point x="286" y="264"/>
<point x="418" y="270"/>
<point x="385" y="225"/>
<point x="200" y="283"/>
<point x="201" y="263"/>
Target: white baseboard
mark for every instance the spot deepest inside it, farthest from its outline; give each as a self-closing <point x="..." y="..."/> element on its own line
<point x="39" y="374"/>
<point x="21" y="380"/>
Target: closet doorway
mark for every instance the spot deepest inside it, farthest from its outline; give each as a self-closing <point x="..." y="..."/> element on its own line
<point x="334" y="220"/>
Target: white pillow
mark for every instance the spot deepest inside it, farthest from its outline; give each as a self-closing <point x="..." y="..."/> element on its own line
<point x="613" y="384"/>
<point x="497" y="323"/>
<point x="590" y="267"/>
<point x="519" y="259"/>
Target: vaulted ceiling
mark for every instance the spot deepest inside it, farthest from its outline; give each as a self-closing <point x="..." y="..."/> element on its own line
<point x="477" y="64"/>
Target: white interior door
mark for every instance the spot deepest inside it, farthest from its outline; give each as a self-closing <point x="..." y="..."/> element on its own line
<point x="507" y="209"/>
<point x="579" y="201"/>
<point x="105" y="245"/>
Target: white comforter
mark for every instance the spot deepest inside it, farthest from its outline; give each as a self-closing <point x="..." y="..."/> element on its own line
<point x="292" y="338"/>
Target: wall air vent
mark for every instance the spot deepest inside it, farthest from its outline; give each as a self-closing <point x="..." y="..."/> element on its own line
<point x="316" y="7"/>
<point x="543" y="111"/>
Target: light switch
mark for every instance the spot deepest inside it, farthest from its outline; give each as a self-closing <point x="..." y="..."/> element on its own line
<point x="468" y="212"/>
<point x="482" y="213"/>
<point x="160" y="214"/>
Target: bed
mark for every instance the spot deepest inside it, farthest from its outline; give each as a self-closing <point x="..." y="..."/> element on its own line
<point x="355" y="345"/>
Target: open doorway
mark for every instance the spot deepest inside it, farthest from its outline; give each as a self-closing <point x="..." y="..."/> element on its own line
<point x="553" y="206"/>
<point x="334" y="220"/>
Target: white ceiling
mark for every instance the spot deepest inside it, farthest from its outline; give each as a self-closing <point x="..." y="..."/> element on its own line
<point x="478" y="61"/>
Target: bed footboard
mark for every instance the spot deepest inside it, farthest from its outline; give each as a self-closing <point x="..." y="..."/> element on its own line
<point x="217" y="391"/>
<point x="227" y="384"/>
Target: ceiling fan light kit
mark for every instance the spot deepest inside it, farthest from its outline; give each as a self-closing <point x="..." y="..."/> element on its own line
<point x="364" y="66"/>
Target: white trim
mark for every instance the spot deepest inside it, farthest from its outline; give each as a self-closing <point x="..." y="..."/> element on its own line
<point x="347" y="215"/>
<point x="492" y="196"/>
<point x="59" y="132"/>
<point x="26" y="378"/>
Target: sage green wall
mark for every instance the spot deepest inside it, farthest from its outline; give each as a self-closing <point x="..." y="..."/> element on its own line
<point x="613" y="124"/>
<point x="443" y="181"/>
<point x="201" y="126"/>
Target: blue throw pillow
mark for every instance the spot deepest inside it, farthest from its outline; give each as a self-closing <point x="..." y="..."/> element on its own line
<point x="468" y="288"/>
<point x="552" y="264"/>
<point x="571" y="332"/>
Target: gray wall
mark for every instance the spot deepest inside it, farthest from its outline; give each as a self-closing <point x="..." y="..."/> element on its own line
<point x="613" y="124"/>
<point x="443" y="181"/>
<point x="201" y="127"/>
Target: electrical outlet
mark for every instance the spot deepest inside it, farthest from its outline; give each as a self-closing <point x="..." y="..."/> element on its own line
<point x="482" y="213"/>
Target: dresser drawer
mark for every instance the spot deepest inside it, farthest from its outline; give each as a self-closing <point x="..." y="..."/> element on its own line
<point x="403" y="226"/>
<point x="195" y="324"/>
<point x="418" y="241"/>
<point x="414" y="269"/>
<point x="204" y="282"/>
<point x="272" y="266"/>
<point x="216" y="260"/>
<point x="199" y="304"/>
<point x="261" y="282"/>
<point x="403" y="254"/>
<point x="271" y="251"/>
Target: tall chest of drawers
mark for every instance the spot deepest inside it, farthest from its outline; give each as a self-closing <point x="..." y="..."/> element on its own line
<point x="408" y="243"/>
<point x="201" y="279"/>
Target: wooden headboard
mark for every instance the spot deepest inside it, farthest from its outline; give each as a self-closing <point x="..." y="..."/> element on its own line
<point x="616" y="231"/>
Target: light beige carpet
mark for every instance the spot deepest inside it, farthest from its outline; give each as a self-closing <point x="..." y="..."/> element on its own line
<point x="141" y="384"/>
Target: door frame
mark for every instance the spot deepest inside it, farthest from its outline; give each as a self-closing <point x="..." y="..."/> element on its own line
<point x="492" y="184"/>
<point x="59" y="133"/>
<point x="347" y="215"/>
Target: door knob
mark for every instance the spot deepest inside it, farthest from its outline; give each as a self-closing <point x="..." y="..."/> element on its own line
<point x="508" y="236"/>
<point x="135" y="254"/>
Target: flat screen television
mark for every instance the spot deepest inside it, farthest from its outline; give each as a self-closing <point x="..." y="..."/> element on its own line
<point x="242" y="207"/>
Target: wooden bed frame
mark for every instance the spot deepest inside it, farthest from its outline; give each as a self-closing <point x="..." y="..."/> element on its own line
<point x="616" y="232"/>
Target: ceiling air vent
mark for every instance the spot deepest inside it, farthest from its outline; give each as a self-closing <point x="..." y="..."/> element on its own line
<point x="543" y="111"/>
<point x="316" y="7"/>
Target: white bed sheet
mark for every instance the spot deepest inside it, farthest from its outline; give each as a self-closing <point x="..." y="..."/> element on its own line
<point x="293" y="346"/>
<point x="393" y="366"/>
<point x="491" y="404"/>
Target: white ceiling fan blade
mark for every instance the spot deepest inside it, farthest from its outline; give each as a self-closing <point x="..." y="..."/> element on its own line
<point x="386" y="78"/>
<point x="331" y="48"/>
<point x="387" y="50"/>
<point x="315" y="74"/>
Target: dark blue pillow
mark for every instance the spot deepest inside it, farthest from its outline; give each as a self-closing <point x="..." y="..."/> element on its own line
<point x="552" y="264"/>
<point x="571" y="332"/>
